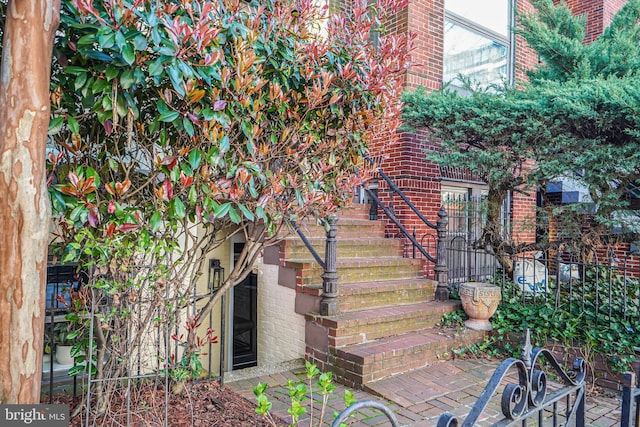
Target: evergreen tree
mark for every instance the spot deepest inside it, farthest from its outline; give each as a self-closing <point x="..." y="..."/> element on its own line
<point x="577" y="116"/>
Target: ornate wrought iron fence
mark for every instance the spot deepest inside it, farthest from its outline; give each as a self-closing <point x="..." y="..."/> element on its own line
<point x="531" y="397"/>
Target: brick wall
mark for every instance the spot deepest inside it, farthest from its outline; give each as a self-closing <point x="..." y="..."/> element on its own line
<point x="525" y="57"/>
<point x="426" y="21"/>
<point x="281" y="331"/>
<point x="599" y="14"/>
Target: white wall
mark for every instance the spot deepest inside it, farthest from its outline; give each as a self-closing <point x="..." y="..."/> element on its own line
<point x="280" y="328"/>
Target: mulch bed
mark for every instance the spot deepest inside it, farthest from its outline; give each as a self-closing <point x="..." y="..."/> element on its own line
<point x="198" y="404"/>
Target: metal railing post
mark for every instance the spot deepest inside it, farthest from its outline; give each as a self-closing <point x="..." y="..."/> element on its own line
<point x="330" y="306"/>
<point x="441" y="270"/>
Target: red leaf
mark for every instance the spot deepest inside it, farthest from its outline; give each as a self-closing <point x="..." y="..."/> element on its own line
<point x="169" y="162"/>
<point x="127" y="227"/>
<point x="219" y="105"/>
<point x="167" y="194"/>
<point x="185" y="180"/>
<point x="122" y="187"/>
<point x="93" y="218"/>
<point x="73" y="178"/>
<point x="112" y="207"/>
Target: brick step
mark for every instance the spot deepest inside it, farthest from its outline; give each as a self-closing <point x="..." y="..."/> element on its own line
<point x="357" y="270"/>
<point x="347" y="228"/>
<point x="355" y="211"/>
<point x="365" y="247"/>
<point x="358" y="296"/>
<point x="364" y="363"/>
<point x="357" y="327"/>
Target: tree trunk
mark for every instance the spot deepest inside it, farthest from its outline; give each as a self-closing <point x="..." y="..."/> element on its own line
<point x="25" y="214"/>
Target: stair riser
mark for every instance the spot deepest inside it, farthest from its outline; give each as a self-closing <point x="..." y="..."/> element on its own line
<point x="352" y="229"/>
<point x="365" y="273"/>
<point x="345" y="249"/>
<point x="359" y="333"/>
<point x="381" y="299"/>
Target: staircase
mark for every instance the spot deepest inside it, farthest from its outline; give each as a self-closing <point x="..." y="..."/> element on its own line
<point x="387" y="317"/>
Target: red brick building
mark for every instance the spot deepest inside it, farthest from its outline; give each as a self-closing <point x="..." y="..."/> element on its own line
<point x="472" y="38"/>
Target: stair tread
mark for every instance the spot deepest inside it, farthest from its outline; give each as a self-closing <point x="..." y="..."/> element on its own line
<point x="378" y="314"/>
<point x="316" y="239"/>
<point x="408" y="341"/>
<point x="356" y="260"/>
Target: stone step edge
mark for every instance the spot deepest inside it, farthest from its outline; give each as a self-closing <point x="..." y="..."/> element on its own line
<point x="385" y="314"/>
<point x="307" y="263"/>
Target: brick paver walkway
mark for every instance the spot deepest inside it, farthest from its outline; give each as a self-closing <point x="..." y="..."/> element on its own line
<point x="420" y="397"/>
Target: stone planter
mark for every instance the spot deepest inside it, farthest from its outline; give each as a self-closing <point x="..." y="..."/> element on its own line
<point x="479" y="301"/>
<point x="63" y="355"/>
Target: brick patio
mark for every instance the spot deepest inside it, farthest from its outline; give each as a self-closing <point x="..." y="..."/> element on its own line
<point x="420" y="397"/>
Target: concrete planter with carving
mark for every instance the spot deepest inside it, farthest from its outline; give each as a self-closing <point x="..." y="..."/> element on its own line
<point x="479" y="301"/>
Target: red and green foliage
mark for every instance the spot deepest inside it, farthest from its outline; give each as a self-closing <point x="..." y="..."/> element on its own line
<point x="176" y="124"/>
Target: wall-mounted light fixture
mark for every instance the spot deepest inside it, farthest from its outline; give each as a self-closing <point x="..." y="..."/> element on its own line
<point x="216" y="274"/>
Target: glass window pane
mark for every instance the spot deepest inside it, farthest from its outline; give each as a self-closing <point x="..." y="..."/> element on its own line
<point x="474" y="56"/>
<point x="492" y="14"/>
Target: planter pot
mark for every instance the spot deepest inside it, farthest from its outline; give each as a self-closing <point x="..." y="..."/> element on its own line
<point x="479" y="301"/>
<point x="63" y="355"/>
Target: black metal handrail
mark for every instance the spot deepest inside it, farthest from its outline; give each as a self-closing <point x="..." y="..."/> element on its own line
<point x="395" y="188"/>
<point x="308" y="244"/>
<point x="329" y="305"/>
<point x="404" y="231"/>
<point x="440" y="268"/>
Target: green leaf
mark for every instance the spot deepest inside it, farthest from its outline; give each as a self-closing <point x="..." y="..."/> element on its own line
<point x="75" y="70"/>
<point x="126" y="79"/>
<point x="76" y="370"/>
<point x="193" y="195"/>
<point x="55" y="126"/>
<point x="106" y="40"/>
<point x="188" y="127"/>
<point x="128" y="54"/>
<point x="80" y="81"/>
<point x="178" y="208"/>
<point x="156" y="221"/>
<point x="176" y="79"/>
<point x="221" y="210"/>
<point x="99" y="56"/>
<point x="234" y="216"/>
<point x="156" y="67"/>
<point x="195" y="157"/>
<point x="224" y="144"/>
<point x="208" y="114"/>
<point x="246" y="212"/>
<point x="140" y="43"/>
<point x="169" y="116"/>
<point x="74" y="127"/>
<point x="87" y="39"/>
<point x="91" y="172"/>
<point x="121" y="41"/>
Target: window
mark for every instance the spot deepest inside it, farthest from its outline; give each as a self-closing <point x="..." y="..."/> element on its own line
<point x="478" y="42"/>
